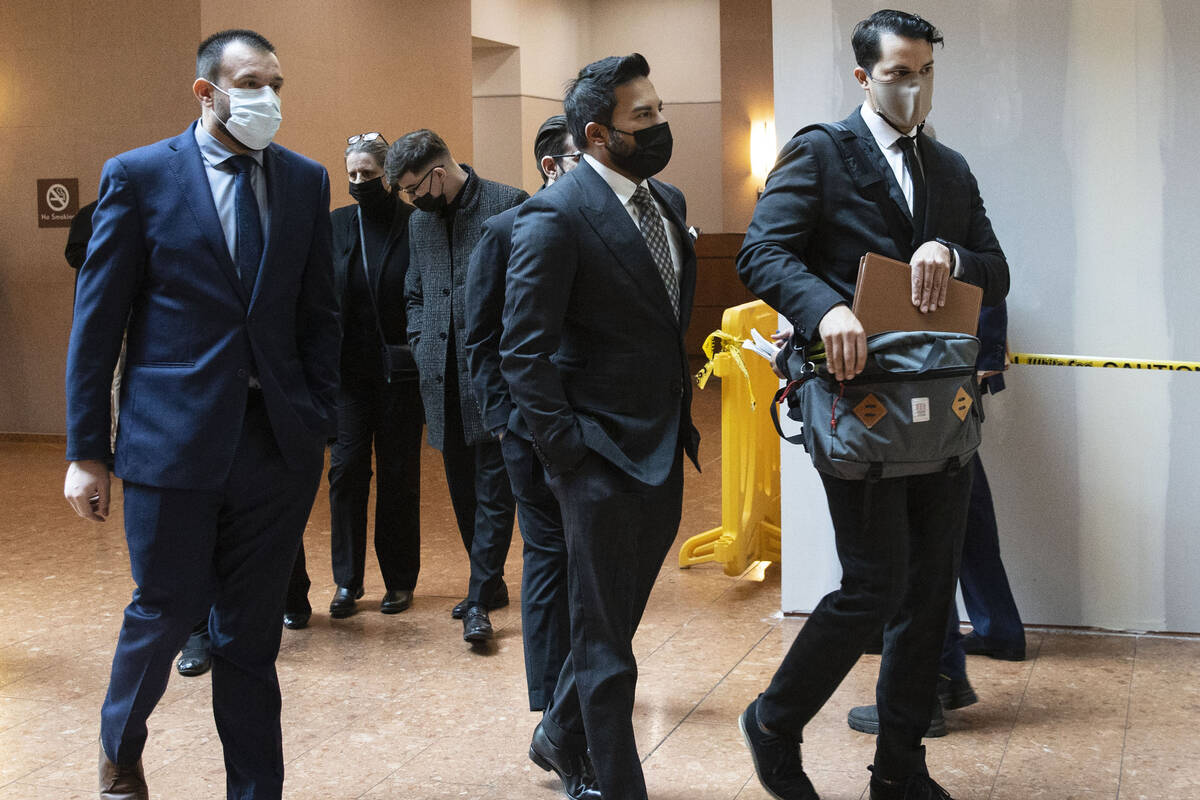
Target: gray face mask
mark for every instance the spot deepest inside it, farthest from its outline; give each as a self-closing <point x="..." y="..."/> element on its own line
<point x="904" y="102"/>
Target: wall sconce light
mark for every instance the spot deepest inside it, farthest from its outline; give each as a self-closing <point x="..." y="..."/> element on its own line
<point x="762" y="150"/>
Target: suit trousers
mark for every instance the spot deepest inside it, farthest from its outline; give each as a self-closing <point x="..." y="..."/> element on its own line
<point x="482" y="499"/>
<point x="389" y="414"/>
<point x="898" y="541"/>
<point x="618" y="532"/>
<point x="228" y="549"/>
<point x="545" y="611"/>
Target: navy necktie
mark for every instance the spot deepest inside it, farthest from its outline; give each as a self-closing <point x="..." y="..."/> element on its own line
<point x="249" y="223"/>
<point x="907" y="145"/>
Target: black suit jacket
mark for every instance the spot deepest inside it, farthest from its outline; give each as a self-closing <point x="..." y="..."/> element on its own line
<point x="815" y="221"/>
<point x="592" y="351"/>
<point x="485" y="312"/>
<point x="388" y="277"/>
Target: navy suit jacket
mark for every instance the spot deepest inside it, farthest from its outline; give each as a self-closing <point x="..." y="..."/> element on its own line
<point x="815" y="221"/>
<point x="592" y="351"/>
<point x="158" y="269"/>
<point x="485" y="311"/>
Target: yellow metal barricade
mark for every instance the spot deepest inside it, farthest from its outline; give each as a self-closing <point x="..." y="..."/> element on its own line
<point x="749" y="529"/>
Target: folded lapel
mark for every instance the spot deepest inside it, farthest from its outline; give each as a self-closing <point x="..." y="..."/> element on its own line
<point x="187" y="165"/>
<point x="277" y="194"/>
<point x="937" y="178"/>
<point x="621" y="235"/>
<point x="873" y="152"/>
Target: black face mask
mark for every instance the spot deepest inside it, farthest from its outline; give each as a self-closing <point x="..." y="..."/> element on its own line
<point x="375" y="200"/>
<point x="427" y="202"/>
<point x="652" y="153"/>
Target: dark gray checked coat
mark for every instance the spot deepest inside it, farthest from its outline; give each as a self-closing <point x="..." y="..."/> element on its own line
<point x="435" y="293"/>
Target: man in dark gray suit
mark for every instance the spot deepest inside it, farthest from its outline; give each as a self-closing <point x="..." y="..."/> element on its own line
<point x="452" y="205"/>
<point x="598" y="295"/>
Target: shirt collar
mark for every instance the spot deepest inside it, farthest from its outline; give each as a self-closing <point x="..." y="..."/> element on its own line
<point x="885" y="135"/>
<point x="216" y="153"/>
<point x="622" y="186"/>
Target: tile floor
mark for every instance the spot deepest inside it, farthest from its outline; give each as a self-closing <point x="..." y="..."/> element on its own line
<point x="388" y="707"/>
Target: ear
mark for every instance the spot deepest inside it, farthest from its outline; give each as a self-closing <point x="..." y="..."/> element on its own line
<point x="203" y="91"/>
<point x="550" y="166"/>
<point x="860" y="75"/>
<point x="596" y="134"/>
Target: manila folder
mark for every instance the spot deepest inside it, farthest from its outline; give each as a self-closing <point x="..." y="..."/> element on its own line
<point x="883" y="301"/>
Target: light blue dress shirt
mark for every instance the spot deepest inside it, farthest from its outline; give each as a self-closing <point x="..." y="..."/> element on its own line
<point x="222" y="182"/>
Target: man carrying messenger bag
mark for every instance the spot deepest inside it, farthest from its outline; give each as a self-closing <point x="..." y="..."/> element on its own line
<point x="873" y="183"/>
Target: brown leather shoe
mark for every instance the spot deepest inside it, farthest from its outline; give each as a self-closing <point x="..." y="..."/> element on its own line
<point x="122" y="783"/>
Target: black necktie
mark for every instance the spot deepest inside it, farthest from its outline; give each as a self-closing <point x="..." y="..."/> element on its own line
<point x="907" y="145"/>
<point x="656" y="240"/>
<point x="249" y="223"/>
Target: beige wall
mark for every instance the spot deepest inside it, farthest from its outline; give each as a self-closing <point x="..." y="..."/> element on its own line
<point x="76" y="88"/>
<point x="748" y="95"/>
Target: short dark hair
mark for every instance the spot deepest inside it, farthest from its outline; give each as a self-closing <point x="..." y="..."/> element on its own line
<point x="413" y="152"/>
<point x="865" y="38"/>
<point x="550" y="140"/>
<point x="591" y="97"/>
<point x="208" y="55"/>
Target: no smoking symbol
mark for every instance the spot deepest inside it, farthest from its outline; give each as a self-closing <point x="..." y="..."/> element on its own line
<point x="57" y="197"/>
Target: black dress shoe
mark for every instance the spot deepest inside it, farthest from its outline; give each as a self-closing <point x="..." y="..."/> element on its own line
<point x="459" y="609"/>
<point x="954" y="694"/>
<point x="296" y="620"/>
<point x="343" y="604"/>
<point x="196" y="656"/>
<point x="122" y="783"/>
<point x="915" y="787"/>
<point x="395" y="600"/>
<point x="865" y="719"/>
<point x="974" y="645"/>
<point x="776" y="759"/>
<point x="573" y="769"/>
<point x="476" y="625"/>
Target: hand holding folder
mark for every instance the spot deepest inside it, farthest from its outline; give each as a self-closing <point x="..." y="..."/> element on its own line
<point x="883" y="301"/>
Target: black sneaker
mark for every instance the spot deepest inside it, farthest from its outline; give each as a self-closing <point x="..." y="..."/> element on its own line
<point x="955" y="694"/>
<point x="865" y="719"/>
<point x="915" y="787"/>
<point x="975" y="645"/>
<point x="776" y="759"/>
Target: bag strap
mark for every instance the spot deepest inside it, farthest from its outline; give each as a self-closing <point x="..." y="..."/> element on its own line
<point x="784" y="392"/>
<point x="868" y="180"/>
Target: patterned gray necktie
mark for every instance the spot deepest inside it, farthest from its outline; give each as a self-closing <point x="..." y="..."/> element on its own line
<point x="656" y="239"/>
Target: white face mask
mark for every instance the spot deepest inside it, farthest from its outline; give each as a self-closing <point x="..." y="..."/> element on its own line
<point x="903" y="102"/>
<point x="254" y="115"/>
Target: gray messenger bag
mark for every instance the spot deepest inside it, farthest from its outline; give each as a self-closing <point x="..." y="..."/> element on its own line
<point x="913" y="410"/>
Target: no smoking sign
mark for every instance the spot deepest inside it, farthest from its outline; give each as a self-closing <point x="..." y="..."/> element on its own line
<point x="58" y="200"/>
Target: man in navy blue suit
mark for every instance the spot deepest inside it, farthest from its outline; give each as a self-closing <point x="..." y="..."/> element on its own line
<point x="211" y="252"/>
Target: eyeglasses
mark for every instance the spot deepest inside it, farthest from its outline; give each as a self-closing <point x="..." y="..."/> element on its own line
<point x="366" y="137"/>
<point x="412" y="190"/>
<point x="574" y="156"/>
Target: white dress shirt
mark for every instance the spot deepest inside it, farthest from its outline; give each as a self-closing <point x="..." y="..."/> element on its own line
<point x="624" y="189"/>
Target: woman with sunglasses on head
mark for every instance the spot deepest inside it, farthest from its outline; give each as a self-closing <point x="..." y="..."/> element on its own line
<point x="379" y="401"/>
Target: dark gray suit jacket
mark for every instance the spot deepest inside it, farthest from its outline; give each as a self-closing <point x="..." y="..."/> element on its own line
<point x="435" y="293"/>
<point x="592" y="351"/>
<point x="815" y="220"/>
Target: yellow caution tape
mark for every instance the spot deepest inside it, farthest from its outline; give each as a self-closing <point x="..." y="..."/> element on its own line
<point x="721" y="342"/>
<point x="1043" y="360"/>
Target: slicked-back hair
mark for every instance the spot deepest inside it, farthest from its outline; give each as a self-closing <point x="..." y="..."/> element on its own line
<point x="414" y="152"/>
<point x="377" y="148"/>
<point x="591" y="97"/>
<point x="866" y="35"/>
<point x="550" y="140"/>
<point x="208" y="55"/>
